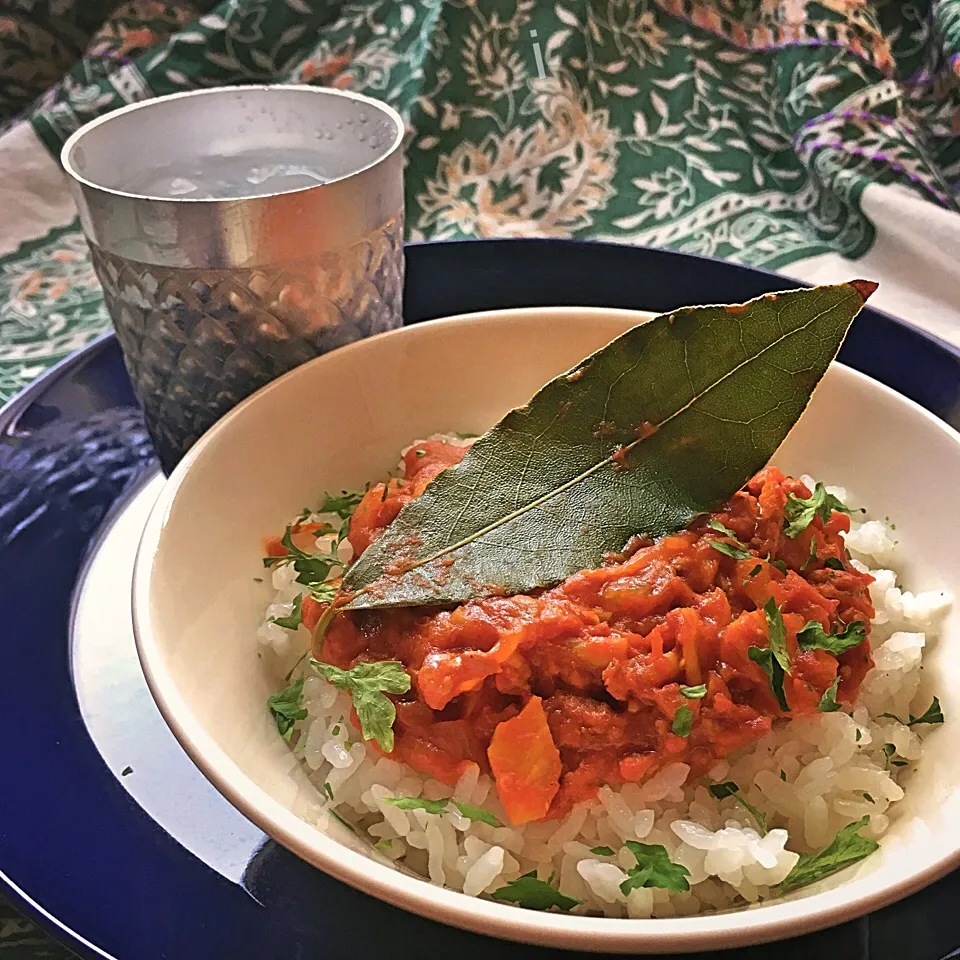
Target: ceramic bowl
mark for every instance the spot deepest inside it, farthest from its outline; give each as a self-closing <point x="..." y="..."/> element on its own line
<point x="339" y="421"/>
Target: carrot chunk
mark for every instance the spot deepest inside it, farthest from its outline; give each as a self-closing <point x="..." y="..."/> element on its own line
<point x="525" y="763"/>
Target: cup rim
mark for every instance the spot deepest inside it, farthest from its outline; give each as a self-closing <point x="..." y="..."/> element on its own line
<point x="74" y="139"/>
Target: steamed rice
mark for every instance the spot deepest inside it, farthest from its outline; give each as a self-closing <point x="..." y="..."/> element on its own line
<point x="809" y="777"/>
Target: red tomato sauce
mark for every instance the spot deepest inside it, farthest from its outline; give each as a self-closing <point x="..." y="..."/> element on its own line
<point x="560" y="691"/>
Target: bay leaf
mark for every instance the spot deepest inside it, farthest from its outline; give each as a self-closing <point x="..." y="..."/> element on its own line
<point x="664" y="423"/>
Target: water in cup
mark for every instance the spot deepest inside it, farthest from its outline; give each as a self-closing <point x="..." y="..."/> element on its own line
<point x="257" y="172"/>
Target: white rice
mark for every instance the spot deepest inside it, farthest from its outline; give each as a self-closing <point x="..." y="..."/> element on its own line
<point x="810" y="777"/>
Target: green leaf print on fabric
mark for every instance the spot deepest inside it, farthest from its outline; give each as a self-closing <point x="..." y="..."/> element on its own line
<point x="705" y="126"/>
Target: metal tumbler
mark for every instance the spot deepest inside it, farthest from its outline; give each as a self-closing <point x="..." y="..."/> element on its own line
<point x="239" y="232"/>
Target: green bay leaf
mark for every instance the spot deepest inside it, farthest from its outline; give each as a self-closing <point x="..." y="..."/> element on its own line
<point x="664" y="423"/>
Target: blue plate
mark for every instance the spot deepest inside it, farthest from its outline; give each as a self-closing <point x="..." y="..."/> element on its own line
<point x="109" y="836"/>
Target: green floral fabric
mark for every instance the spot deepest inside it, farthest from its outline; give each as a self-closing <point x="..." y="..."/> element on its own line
<point x="745" y="129"/>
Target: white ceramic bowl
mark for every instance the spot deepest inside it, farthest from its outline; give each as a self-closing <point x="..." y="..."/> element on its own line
<point x="338" y="422"/>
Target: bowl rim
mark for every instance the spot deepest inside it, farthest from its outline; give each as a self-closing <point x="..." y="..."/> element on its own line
<point x="733" y="928"/>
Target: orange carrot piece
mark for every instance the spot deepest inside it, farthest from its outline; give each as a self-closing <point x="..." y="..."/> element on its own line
<point x="525" y="763"/>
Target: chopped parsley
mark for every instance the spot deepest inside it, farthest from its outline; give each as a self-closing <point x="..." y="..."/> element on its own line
<point x="683" y="722"/>
<point x="777" y="632"/>
<point x="814" y="637"/>
<point x="336" y="816"/>
<point x="828" y="702"/>
<point x="654" y="869"/>
<point x="694" y="693"/>
<point x="868" y="798"/>
<point x="834" y="563"/>
<point x="799" y="513"/>
<point x="730" y="789"/>
<point x="384" y="844"/>
<point x="720" y="528"/>
<point x="294" y="618"/>
<point x="765" y="659"/>
<point x="368" y="685"/>
<point x="812" y="555"/>
<point x="342" y="505"/>
<point x="602" y="851"/>
<point x="312" y="568"/>
<point x="480" y="814"/>
<point x="933" y="714"/>
<point x="327" y="789"/>
<point x="735" y="550"/>
<point x="527" y="891"/>
<point x="859" y="735"/>
<point x="323" y="592"/>
<point x="287" y="708"/>
<point x="435" y="807"/>
<point x="756" y="570"/>
<point x="438" y="806"/>
<point x="888" y="751"/>
<point x="783" y="775"/>
<point x="847" y="848"/>
<point x="779" y="564"/>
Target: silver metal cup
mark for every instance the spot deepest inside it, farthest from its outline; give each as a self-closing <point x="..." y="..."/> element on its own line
<point x="214" y="291"/>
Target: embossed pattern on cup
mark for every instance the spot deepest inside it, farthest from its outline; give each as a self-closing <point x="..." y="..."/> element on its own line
<point x="213" y="299"/>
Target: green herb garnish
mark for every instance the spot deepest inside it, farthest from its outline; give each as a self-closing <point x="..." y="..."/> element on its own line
<point x="828" y="702"/>
<point x="368" y="685"/>
<point x="814" y="637"/>
<point x="867" y="797"/>
<point x="694" y="693"/>
<point x="756" y="570"/>
<point x="847" y="848"/>
<point x="799" y="512"/>
<point x="720" y="528"/>
<point x="327" y="789"/>
<point x="312" y="568"/>
<point x="286" y="707"/>
<point x="294" y="618"/>
<point x="834" y="564"/>
<point x="683" y="722"/>
<point x="933" y="714"/>
<point x="602" y="851"/>
<point x="777" y="632"/>
<point x="765" y="659"/>
<point x="481" y="814"/>
<point x="527" y="891"/>
<point x="323" y="592"/>
<point x="342" y="505"/>
<point x="730" y="789"/>
<point x="438" y="806"/>
<point x="737" y="551"/>
<point x="336" y="816"/>
<point x="654" y="869"/>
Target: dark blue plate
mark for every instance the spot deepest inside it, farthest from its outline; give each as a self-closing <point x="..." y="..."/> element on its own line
<point x="151" y="863"/>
